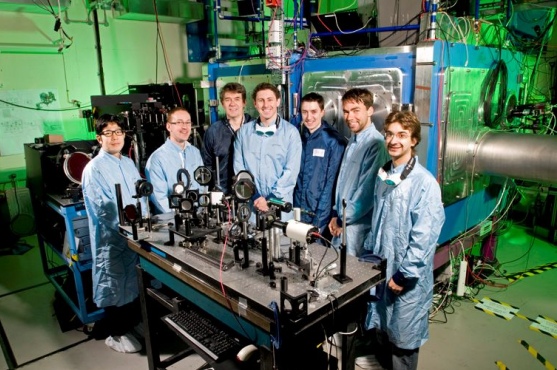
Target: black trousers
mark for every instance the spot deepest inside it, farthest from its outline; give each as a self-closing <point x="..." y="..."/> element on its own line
<point x="117" y="320"/>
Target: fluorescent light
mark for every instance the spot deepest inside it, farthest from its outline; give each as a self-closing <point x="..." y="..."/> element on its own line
<point x="20" y="48"/>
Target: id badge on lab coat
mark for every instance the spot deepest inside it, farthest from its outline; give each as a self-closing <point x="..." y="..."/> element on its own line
<point x="318" y="152"/>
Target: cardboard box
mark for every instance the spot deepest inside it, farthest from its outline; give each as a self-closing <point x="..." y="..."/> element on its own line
<point x="51" y="138"/>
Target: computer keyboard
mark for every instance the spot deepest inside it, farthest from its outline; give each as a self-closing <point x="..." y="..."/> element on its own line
<point x="208" y="334"/>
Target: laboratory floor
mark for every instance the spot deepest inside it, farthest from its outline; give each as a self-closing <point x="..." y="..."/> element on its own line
<point x="461" y="336"/>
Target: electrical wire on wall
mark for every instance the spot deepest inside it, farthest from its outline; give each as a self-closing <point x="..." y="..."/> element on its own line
<point x="65" y="40"/>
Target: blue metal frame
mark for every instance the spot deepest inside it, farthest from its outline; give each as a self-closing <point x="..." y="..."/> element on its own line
<point x="76" y="267"/>
<point x="472" y="210"/>
<point x="403" y="60"/>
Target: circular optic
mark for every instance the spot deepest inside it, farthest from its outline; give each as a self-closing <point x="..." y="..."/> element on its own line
<point x="204" y="200"/>
<point x="244" y="189"/>
<point x="174" y="201"/>
<point x="243" y="212"/>
<point x="192" y="194"/>
<point x="186" y="205"/>
<point x="144" y="188"/>
<point x="244" y="175"/>
<point x="178" y="188"/>
<point x="202" y="175"/>
<point x="131" y="213"/>
<point x="74" y="164"/>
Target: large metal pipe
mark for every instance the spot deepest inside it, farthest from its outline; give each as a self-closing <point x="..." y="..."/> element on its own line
<point x="518" y="156"/>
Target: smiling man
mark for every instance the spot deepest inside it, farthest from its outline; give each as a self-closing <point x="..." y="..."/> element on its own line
<point x="322" y="148"/>
<point x="270" y="148"/>
<point x="176" y="153"/>
<point x="362" y="158"/>
<point x="219" y="138"/>
<point x="115" y="287"/>
<point x="407" y="220"/>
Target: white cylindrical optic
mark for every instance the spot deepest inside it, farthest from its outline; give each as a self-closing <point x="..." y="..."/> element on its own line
<point x="298" y="230"/>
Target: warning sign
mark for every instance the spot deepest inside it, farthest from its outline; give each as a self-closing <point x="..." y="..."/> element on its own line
<point x="545" y="325"/>
<point x="499" y="309"/>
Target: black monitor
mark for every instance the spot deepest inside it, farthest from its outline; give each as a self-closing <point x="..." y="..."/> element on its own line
<point x="346" y="22"/>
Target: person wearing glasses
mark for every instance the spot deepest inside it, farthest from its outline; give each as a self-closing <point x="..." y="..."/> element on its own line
<point x="362" y="158"/>
<point x="219" y="137"/>
<point x="322" y="153"/>
<point x="115" y="287"/>
<point x="270" y="148"/>
<point x="176" y="153"/>
<point x="407" y="219"/>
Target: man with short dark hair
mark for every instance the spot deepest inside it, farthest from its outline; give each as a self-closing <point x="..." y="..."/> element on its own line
<point x="176" y="153"/>
<point x="270" y="148"/>
<point x="362" y="158"/>
<point x="322" y="148"/>
<point x="407" y="220"/>
<point x="219" y="137"/>
<point x="115" y="287"/>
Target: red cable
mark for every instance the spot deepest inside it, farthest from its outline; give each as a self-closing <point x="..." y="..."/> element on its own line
<point x="324" y="25"/>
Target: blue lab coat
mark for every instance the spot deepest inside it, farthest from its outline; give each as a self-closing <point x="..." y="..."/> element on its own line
<point x="407" y="221"/>
<point x="114" y="276"/>
<point x="219" y="142"/>
<point x="273" y="161"/>
<point x="162" y="167"/>
<point x="321" y="156"/>
<point x="363" y="157"/>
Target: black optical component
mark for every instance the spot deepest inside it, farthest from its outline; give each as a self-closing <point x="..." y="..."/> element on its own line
<point x="143" y="188"/>
<point x="243" y="212"/>
<point x="174" y="201"/>
<point x="192" y="194"/>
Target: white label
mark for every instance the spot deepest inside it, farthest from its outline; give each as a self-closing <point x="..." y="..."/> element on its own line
<point x="318" y="152"/>
<point x="497" y="308"/>
<point x="242" y="306"/>
<point x="545" y="325"/>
